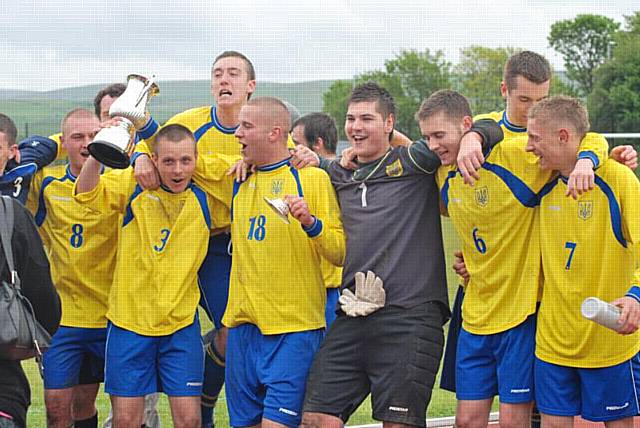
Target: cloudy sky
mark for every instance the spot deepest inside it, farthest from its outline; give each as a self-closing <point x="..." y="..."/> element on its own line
<point x="49" y="44"/>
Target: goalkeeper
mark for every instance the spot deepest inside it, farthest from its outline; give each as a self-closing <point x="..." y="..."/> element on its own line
<point x="388" y="339"/>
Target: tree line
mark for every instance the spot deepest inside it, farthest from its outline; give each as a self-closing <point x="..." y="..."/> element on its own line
<point x="601" y="61"/>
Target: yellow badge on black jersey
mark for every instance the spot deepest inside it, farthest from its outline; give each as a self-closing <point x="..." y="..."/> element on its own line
<point x="395" y="169"/>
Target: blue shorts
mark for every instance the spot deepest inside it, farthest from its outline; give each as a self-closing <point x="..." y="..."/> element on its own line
<point x="213" y="278"/>
<point x="332" y="304"/>
<point x="266" y="375"/>
<point x="497" y="364"/>
<point x="599" y="395"/>
<point x="70" y="346"/>
<point x="138" y="365"/>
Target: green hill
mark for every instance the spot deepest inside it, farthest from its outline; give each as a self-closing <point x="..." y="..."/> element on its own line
<point x="41" y="112"/>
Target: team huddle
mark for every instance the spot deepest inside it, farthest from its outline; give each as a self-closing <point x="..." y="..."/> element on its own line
<point x="324" y="277"/>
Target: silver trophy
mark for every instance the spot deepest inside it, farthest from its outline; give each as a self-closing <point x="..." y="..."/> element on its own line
<point x="113" y="146"/>
<point x="280" y="207"/>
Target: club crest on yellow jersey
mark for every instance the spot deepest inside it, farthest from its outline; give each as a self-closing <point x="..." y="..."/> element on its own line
<point x="276" y="186"/>
<point x="395" y="169"/>
<point x="585" y="210"/>
<point x="482" y="196"/>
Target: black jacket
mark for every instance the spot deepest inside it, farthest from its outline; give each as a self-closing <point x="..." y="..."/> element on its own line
<point x="33" y="269"/>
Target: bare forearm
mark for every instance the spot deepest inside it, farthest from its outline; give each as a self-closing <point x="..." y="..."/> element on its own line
<point x="89" y="176"/>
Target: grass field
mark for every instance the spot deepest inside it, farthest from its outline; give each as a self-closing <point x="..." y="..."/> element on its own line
<point x="442" y="403"/>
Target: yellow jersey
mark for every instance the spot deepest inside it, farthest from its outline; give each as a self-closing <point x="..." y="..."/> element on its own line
<point x="587" y="250"/>
<point x="495" y="220"/>
<point x="331" y="274"/>
<point x="62" y="152"/>
<point x="276" y="280"/>
<point x="163" y="241"/>
<point x="80" y="244"/>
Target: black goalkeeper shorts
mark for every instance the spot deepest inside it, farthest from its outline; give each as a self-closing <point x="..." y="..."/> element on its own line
<point x="393" y="354"/>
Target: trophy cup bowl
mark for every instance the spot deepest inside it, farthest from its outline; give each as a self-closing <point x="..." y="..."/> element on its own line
<point x="280" y="207"/>
<point x="113" y="146"/>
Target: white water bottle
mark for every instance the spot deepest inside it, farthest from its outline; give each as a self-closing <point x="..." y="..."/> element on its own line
<point x="601" y="312"/>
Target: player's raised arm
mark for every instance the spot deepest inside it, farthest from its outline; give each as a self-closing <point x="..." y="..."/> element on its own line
<point x="39" y="150"/>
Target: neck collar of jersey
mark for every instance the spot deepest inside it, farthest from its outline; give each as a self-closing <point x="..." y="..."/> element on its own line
<point x="73" y="178"/>
<point x="166" y="189"/>
<point x="273" y="166"/>
<point x="218" y="125"/>
<point x="510" y="126"/>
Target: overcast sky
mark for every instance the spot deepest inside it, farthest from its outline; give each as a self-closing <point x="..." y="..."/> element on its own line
<point x="49" y="44"/>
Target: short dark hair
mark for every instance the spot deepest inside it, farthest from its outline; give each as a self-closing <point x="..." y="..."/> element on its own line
<point x="114" y="90"/>
<point x="371" y="91"/>
<point x="530" y="65"/>
<point x="319" y="125"/>
<point x="173" y="133"/>
<point x="448" y="101"/>
<point x="251" y="72"/>
<point x="8" y="128"/>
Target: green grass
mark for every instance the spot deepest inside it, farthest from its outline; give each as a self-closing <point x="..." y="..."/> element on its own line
<point x="442" y="402"/>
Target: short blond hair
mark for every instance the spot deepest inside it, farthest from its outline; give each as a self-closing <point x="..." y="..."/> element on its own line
<point x="563" y="109"/>
<point x="277" y="111"/>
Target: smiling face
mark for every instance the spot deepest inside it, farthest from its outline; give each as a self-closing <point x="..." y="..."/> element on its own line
<point x="175" y="161"/>
<point x="230" y="82"/>
<point x="443" y="135"/>
<point x="78" y="130"/>
<point x="367" y="131"/>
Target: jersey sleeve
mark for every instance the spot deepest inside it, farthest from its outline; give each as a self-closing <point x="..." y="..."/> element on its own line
<point x="34" y="192"/>
<point x="61" y="152"/>
<point x="326" y="232"/>
<point x="211" y="175"/>
<point x="39" y="150"/>
<point x="594" y="147"/>
<point x="111" y="193"/>
<point x="422" y="157"/>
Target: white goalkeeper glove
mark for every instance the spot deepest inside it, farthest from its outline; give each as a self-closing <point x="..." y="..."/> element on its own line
<point x="370" y="296"/>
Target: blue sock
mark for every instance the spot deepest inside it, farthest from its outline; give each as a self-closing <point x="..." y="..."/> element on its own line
<point x="213" y="379"/>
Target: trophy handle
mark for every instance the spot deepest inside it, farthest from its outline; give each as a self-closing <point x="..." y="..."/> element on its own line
<point x="146" y="89"/>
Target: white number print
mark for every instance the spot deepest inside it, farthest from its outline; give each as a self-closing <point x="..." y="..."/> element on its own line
<point x="18" y="184"/>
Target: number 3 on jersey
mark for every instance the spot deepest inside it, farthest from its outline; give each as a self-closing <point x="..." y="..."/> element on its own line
<point x="163" y="240"/>
<point x="256" y="228"/>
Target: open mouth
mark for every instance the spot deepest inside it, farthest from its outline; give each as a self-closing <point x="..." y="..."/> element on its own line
<point x="358" y="138"/>
<point x="225" y="92"/>
<point x="84" y="153"/>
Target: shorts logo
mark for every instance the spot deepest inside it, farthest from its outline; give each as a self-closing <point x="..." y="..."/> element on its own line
<point x="276" y="186"/>
<point x="614" y="408"/>
<point x="520" y="391"/>
<point x="585" y="210"/>
<point x="287" y="411"/>
<point x="482" y="196"/>
<point x="194" y="383"/>
<point x="395" y="169"/>
<point x="398" y="409"/>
